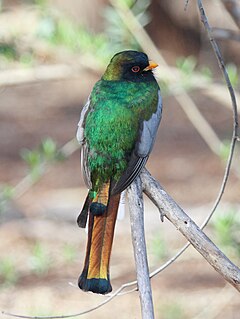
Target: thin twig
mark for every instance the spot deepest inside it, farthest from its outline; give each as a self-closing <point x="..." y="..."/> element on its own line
<point x="221" y="66"/>
<point x="116" y="293"/>
<point x="225" y="34"/>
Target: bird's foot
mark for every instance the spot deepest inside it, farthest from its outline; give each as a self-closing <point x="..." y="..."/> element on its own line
<point x="97" y="209"/>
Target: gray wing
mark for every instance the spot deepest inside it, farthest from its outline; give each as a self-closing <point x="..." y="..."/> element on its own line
<point x="81" y="124"/>
<point x="140" y="154"/>
<point x="82" y="141"/>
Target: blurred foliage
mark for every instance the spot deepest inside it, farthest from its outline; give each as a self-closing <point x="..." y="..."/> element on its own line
<point x="40" y="3"/>
<point x="224" y="150"/>
<point x="6" y="194"/>
<point x="37" y="161"/>
<point x="8" y="51"/>
<point x="40" y="260"/>
<point x="226" y="228"/>
<point x="118" y="35"/>
<point x="206" y="72"/>
<point x="158" y="248"/>
<point x="8" y="274"/>
<point x="69" y="253"/>
<point x="36" y="158"/>
<point x="27" y="59"/>
<point x="233" y="74"/>
<point x="165" y="87"/>
<point x="48" y="149"/>
<point x="59" y="30"/>
<point x="186" y="65"/>
<point x="171" y="310"/>
<point x="65" y="32"/>
<point x="189" y="72"/>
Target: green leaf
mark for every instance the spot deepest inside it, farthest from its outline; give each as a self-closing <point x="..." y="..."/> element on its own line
<point x="233" y="74"/>
<point x="172" y="310"/>
<point x="224" y="150"/>
<point x="31" y="157"/>
<point x="158" y="247"/>
<point x="7" y="192"/>
<point x="186" y="65"/>
<point x="49" y="149"/>
<point x="206" y="72"/>
<point x="8" y="271"/>
<point x="8" y="50"/>
<point x="69" y="253"/>
<point x="40" y="260"/>
<point x="226" y="227"/>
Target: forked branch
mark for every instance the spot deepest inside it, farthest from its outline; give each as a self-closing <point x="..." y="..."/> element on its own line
<point x="174" y="213"/>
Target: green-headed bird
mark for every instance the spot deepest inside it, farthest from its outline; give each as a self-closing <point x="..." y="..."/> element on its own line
<point x="117" y="129"/>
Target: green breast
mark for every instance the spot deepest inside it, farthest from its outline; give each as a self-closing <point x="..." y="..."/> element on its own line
<point x="112" y="125"/>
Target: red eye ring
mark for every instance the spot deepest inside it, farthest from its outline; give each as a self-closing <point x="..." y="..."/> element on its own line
<point x="135" y="69"/>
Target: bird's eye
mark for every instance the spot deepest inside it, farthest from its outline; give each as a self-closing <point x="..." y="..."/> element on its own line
<point x="135" y="69"/>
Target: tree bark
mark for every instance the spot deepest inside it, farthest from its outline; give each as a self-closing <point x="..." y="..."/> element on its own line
<point x="139" y="245"/>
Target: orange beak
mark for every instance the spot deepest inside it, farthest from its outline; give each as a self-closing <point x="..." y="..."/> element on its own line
<point x="151" y="66"/>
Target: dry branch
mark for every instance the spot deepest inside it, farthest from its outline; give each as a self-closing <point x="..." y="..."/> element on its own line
<point x="190" y="230"/>
<point x="139" y="246"/>
<point x="225" y="34"/>
<point x="233" y="7"/>
<point x="37" y="74"/>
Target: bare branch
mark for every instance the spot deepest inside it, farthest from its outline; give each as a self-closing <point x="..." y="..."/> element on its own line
<point x="225" y="34"/>
<point x="226" y="77"/>
<point x="190" y="230"/>
<point x="233" y="7"/>
<point x="220" y="61"/>
<point x="37" y="74"/>
<point x="139" y="246"/>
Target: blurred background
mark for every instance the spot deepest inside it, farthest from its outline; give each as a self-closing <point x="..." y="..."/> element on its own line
<point x="51" y="54"/>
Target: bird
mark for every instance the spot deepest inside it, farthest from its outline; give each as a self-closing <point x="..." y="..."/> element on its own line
<point x="116" y="133"/>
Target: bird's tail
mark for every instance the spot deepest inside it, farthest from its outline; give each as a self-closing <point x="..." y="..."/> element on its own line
<point x="102" y="218"/>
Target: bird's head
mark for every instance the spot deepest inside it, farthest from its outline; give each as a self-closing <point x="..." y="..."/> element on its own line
<point x="131" y="66"/>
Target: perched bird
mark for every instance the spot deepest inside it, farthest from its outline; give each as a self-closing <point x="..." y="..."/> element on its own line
<point x="117" y="129"/>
